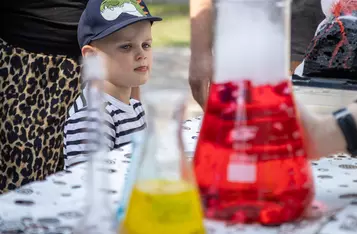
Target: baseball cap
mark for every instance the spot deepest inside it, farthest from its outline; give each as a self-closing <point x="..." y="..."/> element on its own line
<point x="104" y="17"/>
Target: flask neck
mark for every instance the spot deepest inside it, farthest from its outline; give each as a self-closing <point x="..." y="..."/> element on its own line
<point x="163" y="154"/>
<point x="165" y="139"/>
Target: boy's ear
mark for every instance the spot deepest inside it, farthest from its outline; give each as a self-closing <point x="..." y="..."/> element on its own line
<point x="88" y="50"/>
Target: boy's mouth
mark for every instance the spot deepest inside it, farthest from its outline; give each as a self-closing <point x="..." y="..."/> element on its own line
<point x="142" y="69"/>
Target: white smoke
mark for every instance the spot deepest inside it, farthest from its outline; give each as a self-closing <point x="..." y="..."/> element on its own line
<point x="249" y="45"/>
<point x="326" y="6"/>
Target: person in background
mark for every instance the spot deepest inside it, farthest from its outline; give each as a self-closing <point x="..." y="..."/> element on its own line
<point x="306" y="15"/>
<point x="121" y="35"/>
<point x="201" y="59"/>
<point x="39" y="80"/>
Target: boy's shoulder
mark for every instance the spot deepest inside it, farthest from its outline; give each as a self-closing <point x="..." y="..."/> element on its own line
<point x="136" y="103"/>
<point x="79" y="105"/>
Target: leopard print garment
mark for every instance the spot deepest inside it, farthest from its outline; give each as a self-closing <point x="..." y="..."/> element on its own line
<point x="35" y="93"/>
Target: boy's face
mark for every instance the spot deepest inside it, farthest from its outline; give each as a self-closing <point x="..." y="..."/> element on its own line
<point x="128" y="54"/>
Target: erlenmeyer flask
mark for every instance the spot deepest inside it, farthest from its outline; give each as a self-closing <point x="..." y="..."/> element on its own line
<point x="164" y="198"/>
<point x="250" y="163"/>
<point x="138" y="147"/>
<point x="98" y="211"/>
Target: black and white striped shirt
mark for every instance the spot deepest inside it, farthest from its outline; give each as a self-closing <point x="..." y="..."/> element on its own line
<point x="121" y="120"/>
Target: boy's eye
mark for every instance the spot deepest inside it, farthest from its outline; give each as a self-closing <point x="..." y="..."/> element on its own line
<point x="146" y="45"/>
<point x="125" y="47"/>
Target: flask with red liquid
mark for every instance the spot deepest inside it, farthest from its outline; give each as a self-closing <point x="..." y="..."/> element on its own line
<point x="250" y="162"/>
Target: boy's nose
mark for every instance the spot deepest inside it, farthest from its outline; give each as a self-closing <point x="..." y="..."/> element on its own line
<point x="140" y="55"/>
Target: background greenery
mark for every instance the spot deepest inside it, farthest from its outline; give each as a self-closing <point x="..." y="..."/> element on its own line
<point x="174" y="30"/>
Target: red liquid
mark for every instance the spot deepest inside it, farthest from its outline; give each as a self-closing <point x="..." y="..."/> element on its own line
<point x="250" y="162"/>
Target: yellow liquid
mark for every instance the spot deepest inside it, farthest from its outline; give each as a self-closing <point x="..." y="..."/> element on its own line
<point x="163" y="207"/>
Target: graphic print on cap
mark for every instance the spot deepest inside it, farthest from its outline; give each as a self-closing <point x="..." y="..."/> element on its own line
<point x="112" y="9"/>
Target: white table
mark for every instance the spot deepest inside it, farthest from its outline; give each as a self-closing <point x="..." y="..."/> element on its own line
<point x="55" y="204"/>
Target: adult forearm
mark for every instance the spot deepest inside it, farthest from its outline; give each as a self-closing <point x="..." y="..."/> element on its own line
<point x="201" y="15"/>
<point x="329" y="137"/>
<point x="321" y="132"/>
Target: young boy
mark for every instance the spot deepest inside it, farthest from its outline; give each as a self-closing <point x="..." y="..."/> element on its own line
<point x="119" y="31"/>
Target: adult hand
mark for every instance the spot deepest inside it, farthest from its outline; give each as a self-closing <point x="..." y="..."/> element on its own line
<point x="200" y="76"/>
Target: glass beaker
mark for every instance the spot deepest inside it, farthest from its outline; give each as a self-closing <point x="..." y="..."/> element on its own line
<point x="164" y="198"/>
<point x="98" y="211"/>
<point x="250" y="163"/>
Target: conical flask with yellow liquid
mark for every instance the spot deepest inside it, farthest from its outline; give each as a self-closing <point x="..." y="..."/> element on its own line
<point x="164" y="198"/>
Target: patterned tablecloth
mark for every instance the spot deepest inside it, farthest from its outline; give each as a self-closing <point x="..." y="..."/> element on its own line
<point x="55" y="205"/>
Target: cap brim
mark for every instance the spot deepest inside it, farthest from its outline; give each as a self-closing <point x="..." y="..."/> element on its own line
<point x="123" y="24"/>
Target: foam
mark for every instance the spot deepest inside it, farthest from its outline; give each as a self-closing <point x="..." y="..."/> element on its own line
<point x="248" y="45"/>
